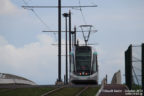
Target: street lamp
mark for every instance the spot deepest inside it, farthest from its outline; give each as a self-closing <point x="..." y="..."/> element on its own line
<point x="66" y="15"/>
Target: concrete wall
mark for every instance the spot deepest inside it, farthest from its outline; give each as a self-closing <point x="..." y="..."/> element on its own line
<point x="116" y="78"/>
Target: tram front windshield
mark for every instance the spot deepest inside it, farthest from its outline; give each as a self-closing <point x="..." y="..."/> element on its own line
<point x="83" y="60"/>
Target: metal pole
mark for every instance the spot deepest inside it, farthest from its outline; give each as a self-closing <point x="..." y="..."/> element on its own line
<point x="59" y="40"/>
<point x="130" y="76"/>
<point x="66" y="15"/>
<point x="66" y="56"/>
<point x="128" y="67"/>
<point x="69" y="39"/>
<point x="130" y="62"/>
<point x="143" y="68"/>
<point x="72" y="39"/>
<point x="75" y="35"/>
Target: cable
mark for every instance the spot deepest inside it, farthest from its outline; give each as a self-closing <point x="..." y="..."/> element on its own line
<point x="84" y="20"/>
<point x="138" y="69"/>
<point x="39" y="18"/>
<point x="35" y="13"/>
<point x="135" y="75"/>
<point x="82" y="13"/>
<point x="25" y="2"/>
<point x="136" y="58"/>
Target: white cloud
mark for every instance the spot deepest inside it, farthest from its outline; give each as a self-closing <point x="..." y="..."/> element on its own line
<point x="110" y="62"/>
<point x="3" y="41"/>
<point x="36" y="61"/>
<point x="6" y="7"/>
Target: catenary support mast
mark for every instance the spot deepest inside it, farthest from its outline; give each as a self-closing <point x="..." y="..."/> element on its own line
<point x="59" y="40"/>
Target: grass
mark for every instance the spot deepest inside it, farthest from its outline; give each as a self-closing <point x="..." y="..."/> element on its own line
<point x="90" y="91"/>
<point x="67" y="92"/>
<point x="73" y="91"/>
<point x="39" y="91"/>
<point x="136" y="87"/>
<point x="24" y="91"/>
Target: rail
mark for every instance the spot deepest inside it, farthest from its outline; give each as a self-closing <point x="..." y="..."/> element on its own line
<point x="78" y="94"/>
<point x="52" y="91"/>
<point x="61" y="90"/>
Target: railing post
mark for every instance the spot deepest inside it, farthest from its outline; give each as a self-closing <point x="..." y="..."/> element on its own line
<point x="143" y="68"/>
<point x="128" y="67"/>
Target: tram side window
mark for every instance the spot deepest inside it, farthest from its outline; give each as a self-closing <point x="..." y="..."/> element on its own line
<point x="94" y="63"/>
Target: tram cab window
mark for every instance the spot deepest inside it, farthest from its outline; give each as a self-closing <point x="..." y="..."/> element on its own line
<point x="83" y="60"/>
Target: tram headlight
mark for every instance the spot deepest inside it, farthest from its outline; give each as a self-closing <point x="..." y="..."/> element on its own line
<point x="86" y="73"/>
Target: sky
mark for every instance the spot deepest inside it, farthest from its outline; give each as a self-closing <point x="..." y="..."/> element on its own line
<point x="27" y="51"/>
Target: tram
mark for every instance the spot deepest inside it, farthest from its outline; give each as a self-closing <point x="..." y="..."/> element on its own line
<point x="84" y="65"/>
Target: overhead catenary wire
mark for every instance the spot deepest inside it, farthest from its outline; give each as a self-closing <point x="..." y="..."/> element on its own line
<point x="25" y="2"/>
<point x="32" y="9"/>
<point x="73" y="7"/>
<point x="39" y="18"/>
<point x="35" y="13"/>
<point x="84" y="20"/>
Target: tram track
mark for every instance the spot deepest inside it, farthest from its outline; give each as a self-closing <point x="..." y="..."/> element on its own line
<point x="67" y="91"/>
<point x="78" y="94"/>
<point x="44" y="86"/>
<point x="52" y="90"/>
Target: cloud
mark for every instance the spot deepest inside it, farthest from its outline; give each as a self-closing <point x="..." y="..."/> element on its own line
<point x="36" y="61"/>
<point x="110" y="61"/>
<point x="6" y="7"/>
<point x="3" y="41"/>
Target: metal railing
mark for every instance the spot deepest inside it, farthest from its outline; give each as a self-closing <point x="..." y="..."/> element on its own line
<point x="134" y="67"/>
